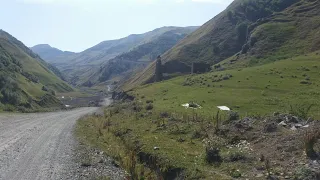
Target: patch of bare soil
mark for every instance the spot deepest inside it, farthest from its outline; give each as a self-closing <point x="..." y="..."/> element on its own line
<point x="276" y="146"/>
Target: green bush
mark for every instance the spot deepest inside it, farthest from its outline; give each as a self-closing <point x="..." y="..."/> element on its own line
<point x="10" y="97"/>
<point x="149" y="107"/>
<point x="31" y="77"/>
<point x="236" y="156"/>
<point x="44" y="88"/>
<point x="8" y="108"/>
<point x="232" y="116"/>
<point x="149" y="101"/>
<point x="212" y="154"/>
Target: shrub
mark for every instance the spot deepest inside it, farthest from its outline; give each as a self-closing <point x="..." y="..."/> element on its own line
<point x="149" y="101"/>
<point x="44" y="88"/>
<point x="305" y="82"/>
<point x="10" y="97"/>
<point x="8" y="108"/>
<point x="213" y="154"/>
<point x="31" y="77"/>
<point x="198" y="134"/>
<point x="237" y="156"/>
<point x="270" y="127"/>
<point x="136" y="108"/>
<point x="232" y="116"/>
<point x="164" y="115"/>
<point x="149" y="107"/>
<point x="235" y="173"/>
<point x="53" y="92"/>
<point x="226" y="77"/>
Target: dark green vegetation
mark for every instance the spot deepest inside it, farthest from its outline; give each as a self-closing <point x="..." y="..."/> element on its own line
<point x="246" y="34"/>
<point x="27" y="83"/>
<point x="115" y="57"/>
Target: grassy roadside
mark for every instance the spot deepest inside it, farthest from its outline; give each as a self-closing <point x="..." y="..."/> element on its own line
<point x="151" y="144"/>
<point x="148" y="146"/>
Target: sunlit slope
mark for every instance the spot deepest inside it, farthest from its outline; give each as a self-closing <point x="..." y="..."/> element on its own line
<point x="26" y="80"/>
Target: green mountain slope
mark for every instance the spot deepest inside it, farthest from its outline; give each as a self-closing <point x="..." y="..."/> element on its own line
<point x="27" y="81"/>
<point x="254" y="31"/>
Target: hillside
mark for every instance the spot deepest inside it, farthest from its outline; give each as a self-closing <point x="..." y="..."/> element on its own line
<point x="51" y="54"/>
<point x="27" y="82"/>
<point x="249" y="33"/>
<point x="140" y="56"/>
<point x="82" y="67"/>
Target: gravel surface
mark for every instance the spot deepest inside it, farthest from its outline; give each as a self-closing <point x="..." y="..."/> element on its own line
<point x="42" y="146"/>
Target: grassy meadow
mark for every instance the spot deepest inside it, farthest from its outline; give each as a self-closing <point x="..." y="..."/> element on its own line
<point x="255" y="90"/>
<point x="154" y="136"/>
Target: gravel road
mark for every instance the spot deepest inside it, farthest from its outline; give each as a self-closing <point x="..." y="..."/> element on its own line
<point x="39" y="146"/>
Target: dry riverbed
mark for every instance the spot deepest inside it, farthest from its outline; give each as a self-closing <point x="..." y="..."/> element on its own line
<point x="42" y="146"/>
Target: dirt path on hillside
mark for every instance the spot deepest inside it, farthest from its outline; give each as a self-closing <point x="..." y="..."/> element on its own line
<point x="41" y="146"/>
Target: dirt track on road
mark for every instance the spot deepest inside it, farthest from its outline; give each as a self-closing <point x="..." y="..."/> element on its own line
<point x="38" y="146"/>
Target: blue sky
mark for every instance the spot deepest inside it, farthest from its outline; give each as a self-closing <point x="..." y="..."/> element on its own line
<point x="76" y="25"/>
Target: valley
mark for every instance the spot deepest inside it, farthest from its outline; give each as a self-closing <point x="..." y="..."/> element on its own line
<point x="234" y="98"/>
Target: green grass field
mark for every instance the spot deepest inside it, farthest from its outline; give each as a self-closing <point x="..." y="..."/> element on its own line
<point x="255" y="90"/>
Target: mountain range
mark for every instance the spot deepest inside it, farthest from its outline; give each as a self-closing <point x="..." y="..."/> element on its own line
<point x="92" y="65"/>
